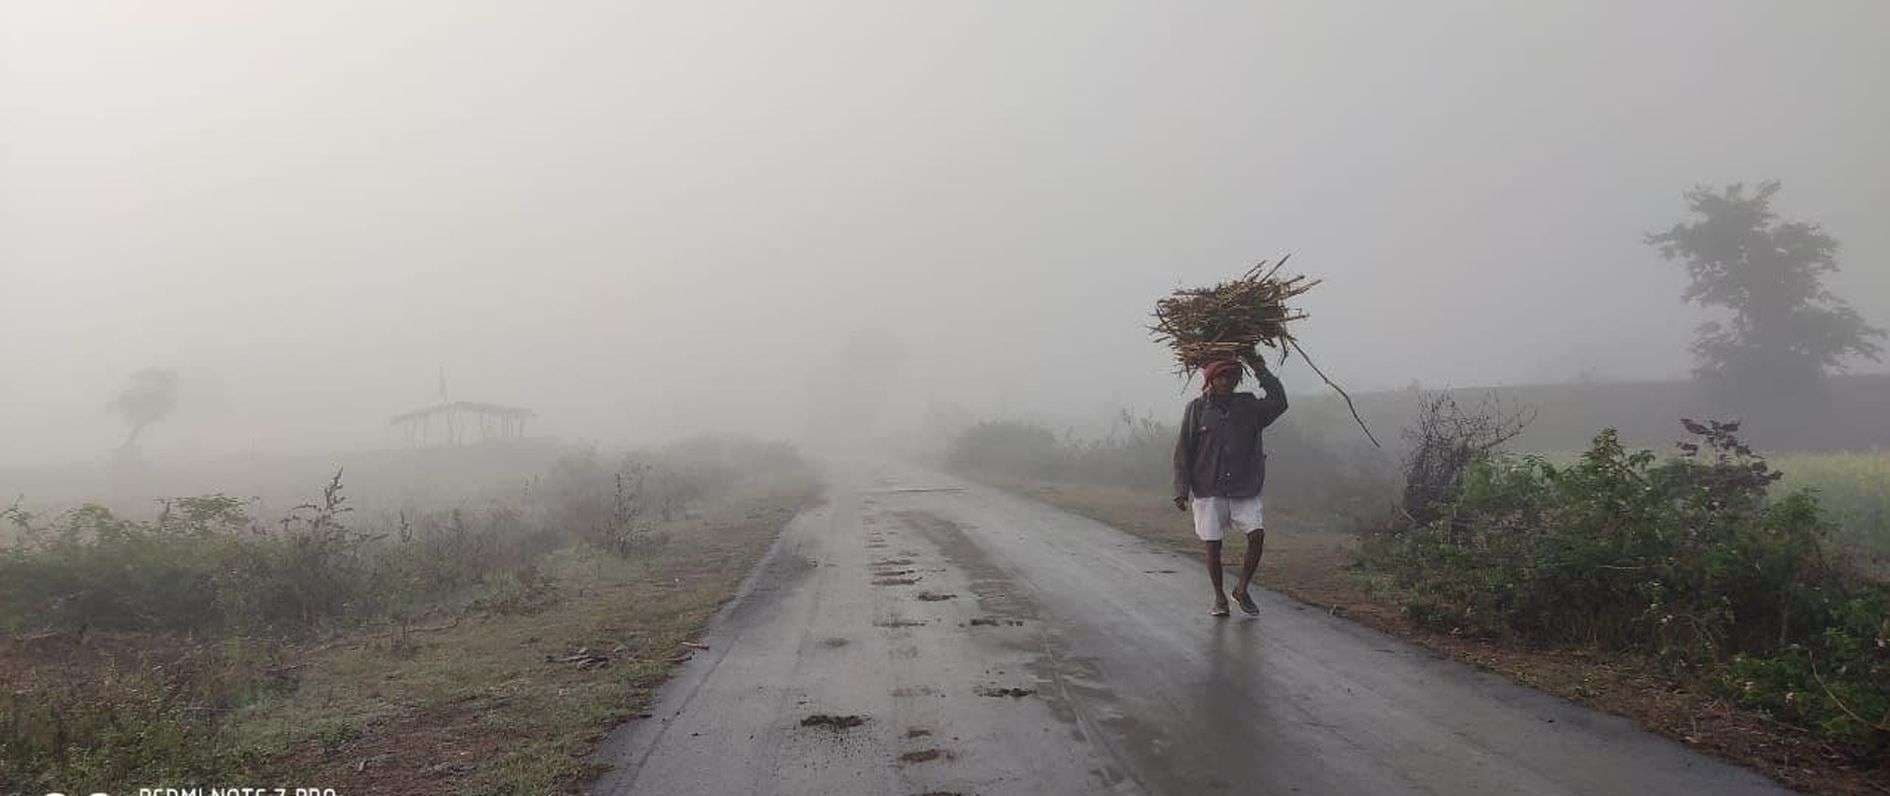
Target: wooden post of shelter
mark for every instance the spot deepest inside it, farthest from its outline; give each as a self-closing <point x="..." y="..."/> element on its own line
<point x="494" y="420"/>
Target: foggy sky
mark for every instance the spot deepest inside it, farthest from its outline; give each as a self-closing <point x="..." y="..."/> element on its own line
<point x="656" y="219"/>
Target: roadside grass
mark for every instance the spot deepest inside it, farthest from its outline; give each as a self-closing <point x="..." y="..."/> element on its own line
<point x="1318" y="569"/>
<point x="509" y="703"/>
<point x="481" y="700"/>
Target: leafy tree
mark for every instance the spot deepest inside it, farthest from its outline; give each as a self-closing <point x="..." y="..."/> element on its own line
<point x="149" y="396"/>
<point x="1787" y="329"/>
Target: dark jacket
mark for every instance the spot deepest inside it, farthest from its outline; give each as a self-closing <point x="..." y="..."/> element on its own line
<point x="1219" y="453"/>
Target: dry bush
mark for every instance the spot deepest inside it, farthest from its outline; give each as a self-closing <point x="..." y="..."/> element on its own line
<point x="1445" y="439"/>
<point x="613" y="507"/>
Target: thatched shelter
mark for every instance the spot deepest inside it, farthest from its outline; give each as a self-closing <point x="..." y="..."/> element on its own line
<point x="457" y="420"/>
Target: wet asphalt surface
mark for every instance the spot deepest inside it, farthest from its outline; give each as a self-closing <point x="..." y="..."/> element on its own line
<point x="917" y="634"/>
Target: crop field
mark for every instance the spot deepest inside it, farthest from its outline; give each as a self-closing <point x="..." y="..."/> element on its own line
<point x="1853" y="488"/>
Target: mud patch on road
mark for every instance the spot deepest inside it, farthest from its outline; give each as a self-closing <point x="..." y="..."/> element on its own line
<point x="917" y="732"/>
<point x="1072" y="687"/>
<point x="932" y="598"/>
<point x="914" y="691"/>
<point x="901" y="623"/>
<point x="991" y="621"/>
<point x="835" y="643"/>
<point x="997" y="595"/>
<point x="1014" y="693"/>
<point x="893" y="562"/>
<point x="779" y="574"/>
<point x="892" y="573"/>
<point x="834" y="723"/>
<point x="927" y="755"/>
<point x="896" y="582"/>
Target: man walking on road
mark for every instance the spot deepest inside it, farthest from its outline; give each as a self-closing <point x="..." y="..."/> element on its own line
<point x="1220" y="465"/>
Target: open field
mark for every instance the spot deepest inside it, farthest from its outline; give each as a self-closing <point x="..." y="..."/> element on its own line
<point x="1648" y="414"/>
<point x="495" y="696"/>
<point x="475" y="649"/>
<point x="1853" y="488"/>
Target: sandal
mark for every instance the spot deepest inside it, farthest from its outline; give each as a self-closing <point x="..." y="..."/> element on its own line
<point x="1219" y="610"/>
<point x="1246" y="603"/>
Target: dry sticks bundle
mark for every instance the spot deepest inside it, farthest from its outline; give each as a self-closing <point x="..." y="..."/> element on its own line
<point x="1233" y="318"/>
<point x="1227" y="320"/>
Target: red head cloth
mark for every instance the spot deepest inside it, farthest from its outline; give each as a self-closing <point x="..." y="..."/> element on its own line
<point x="1214" y="369"/>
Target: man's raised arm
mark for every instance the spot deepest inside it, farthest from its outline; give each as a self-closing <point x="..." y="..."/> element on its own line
<point x="1273" y="402"/>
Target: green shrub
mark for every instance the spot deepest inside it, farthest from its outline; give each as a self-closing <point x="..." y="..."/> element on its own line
<point x="91" y="568"/>
<point x="1686" y="559"/>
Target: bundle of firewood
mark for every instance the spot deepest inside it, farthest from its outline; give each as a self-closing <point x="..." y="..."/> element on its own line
<point x="1233" y="319"/>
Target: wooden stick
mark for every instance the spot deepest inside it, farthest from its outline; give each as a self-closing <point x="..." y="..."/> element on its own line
<point x="1348" y="399"/>
<point x="1276" y="266"/>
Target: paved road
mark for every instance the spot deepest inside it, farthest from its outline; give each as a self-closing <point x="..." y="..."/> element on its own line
<point x="993" y="645"/>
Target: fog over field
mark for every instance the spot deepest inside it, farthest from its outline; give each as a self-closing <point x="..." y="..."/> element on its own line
<point x="649" y="220"/>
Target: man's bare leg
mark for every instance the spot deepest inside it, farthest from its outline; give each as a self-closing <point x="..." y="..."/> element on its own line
<point x="1214" y="574"/>
<point x="1256" y="545"/>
